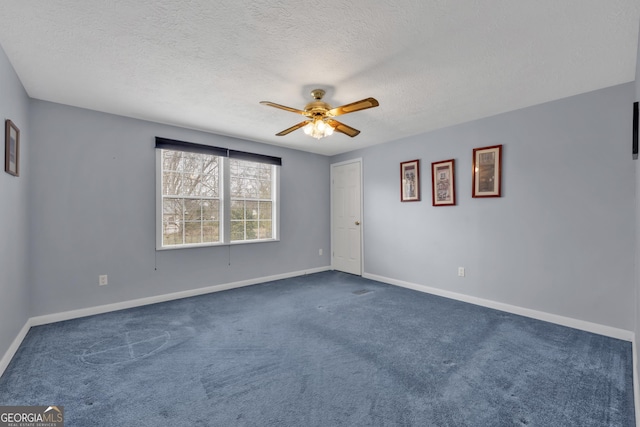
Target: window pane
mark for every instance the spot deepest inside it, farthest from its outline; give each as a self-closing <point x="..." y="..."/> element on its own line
<point x="210" y="231"/>
<point x="172" y="239"/>
<point x="172" y="206"/>
<point x="171" y="233"/>
<point x="244" y="178"/>
<point x="210" y="165"/>
<point x="253" y="189"/>
<point x="192" y="232"/>
<point x="247" y="169"/>
<point x="244" y="188"/>
<point x="237" y="209"/>
<point x="265" y="210"/>
<point x="252" y="230"/>
<point x="251" y="210"/>
<point x="237" y="230"/>
<point x="234" y="188"/>
<point x="241" y="187"/>
<point x="210" y="210"/>
<point x="209" y="184"/>
<point x="265" y="189"/>
<point x="265" y="172"/>
<point x="234" y="167"/>
<point x="265" y="231"/>
<point x="190" y="185"/>
<point x="171" y="160"/>
<point x="172" y="213"/>
<point x="171" y="224"/>
<point x="192" y="162"/>
<point x="171" y="183"/>
<point x="192" y="209"/>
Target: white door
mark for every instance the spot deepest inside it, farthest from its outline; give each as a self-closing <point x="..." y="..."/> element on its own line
<point x="346" y="217"/>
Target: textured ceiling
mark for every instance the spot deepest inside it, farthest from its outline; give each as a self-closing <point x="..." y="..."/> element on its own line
<point x="206" y="64"/>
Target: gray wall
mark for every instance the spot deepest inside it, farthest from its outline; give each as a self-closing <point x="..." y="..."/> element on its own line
<point x="14" y="304"/>
<point x="92" y="212"/>
<point x="561" y="239"/>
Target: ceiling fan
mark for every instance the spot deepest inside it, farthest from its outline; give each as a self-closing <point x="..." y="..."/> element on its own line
<point x="320" y="122"/>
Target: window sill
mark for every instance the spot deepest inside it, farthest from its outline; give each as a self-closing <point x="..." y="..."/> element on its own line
<point x="213" y="245"/>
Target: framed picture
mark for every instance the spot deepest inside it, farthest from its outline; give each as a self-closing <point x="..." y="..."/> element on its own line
<point x="443" y="183"/>
<point x="487" y="171"/>
<point x="11" y="148"/>
<point x="410" y="181"/>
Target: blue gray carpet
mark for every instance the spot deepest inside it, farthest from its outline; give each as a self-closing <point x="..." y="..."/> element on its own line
<point x="327" y="349"/>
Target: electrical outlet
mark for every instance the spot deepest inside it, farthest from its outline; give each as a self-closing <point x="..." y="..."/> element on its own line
<point x="103" y="280"/>
<point x="320" y="251"/>
<point x="461" y="271"/>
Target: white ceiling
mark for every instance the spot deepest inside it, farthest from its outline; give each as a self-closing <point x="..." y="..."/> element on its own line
<point x="206" y="64"/>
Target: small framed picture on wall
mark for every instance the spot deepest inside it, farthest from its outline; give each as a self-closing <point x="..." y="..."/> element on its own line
<point x="487" y="171"/>
<point x="410" y="181"/>
<point x="443" y="188"/>
<point x="11" y="149"/>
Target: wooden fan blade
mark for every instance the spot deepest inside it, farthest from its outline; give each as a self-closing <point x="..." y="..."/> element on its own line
<point x="283" y="107"/>
<point x="292" y="128"/>
<point x="354" y="106"/>
<point x="342" y="128"/>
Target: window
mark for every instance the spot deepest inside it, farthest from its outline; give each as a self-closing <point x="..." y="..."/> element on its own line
<point x="210" y="195"/>
<point x="190" y="198"/>
<point x="251" y="200"/>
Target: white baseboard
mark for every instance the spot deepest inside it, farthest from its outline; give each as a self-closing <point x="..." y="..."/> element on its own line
<point x="90" y="311"/>
<point x="13" y="348"/>
<point x="595" y="328"/>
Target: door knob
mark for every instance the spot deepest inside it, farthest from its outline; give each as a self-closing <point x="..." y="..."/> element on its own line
<point x="357" y="222"/>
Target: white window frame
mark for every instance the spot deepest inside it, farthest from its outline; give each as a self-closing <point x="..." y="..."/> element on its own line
<point x="225" y="201"/>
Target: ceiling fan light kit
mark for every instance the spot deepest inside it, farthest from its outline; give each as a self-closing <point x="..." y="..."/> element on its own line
<point x="318" y="129"/>
<point x="320" y="122"/>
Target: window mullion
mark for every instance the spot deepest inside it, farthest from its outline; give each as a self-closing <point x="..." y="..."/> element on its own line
<point x="275" y="206"/>
<point x="202" y="220"/>
<point x="183" y="223"/>
<point x="225" y="198"/>
<point x="244" y="218"/>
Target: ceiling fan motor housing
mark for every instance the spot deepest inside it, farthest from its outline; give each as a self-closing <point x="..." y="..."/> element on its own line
<point x="317" y="108"/>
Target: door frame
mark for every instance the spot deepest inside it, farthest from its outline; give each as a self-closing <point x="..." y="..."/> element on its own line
<point x="362" y="222"/>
